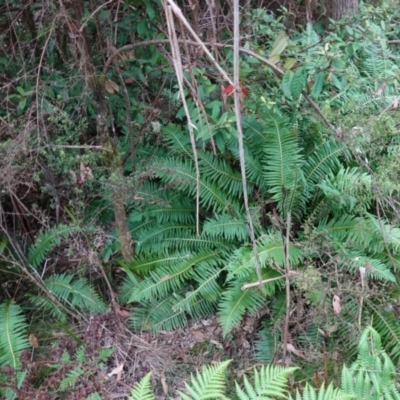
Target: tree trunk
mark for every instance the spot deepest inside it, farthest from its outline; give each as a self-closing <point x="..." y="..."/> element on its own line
<point x="337" y="9"/>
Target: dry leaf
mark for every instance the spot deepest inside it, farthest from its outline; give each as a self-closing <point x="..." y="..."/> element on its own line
<point x="117" y="371"/>
<point x="381" y="88"/>
<point x="86" y="173"/>
<point x="164" y="383"/>
<point x="291" y="349"/>
<point x="336" y="304"/>
<point x="111" y="87"/>
<point x="33" y="341"/>
<point x="199" y="335"/>
<point x="121" y="312"/>
<point x="362" y="274"/>
<point x="164" y="278"/>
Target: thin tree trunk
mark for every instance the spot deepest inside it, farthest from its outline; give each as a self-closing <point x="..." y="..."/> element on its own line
<point x="337" y="9"/>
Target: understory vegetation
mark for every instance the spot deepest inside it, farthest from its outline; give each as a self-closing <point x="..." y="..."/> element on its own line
<point x="157" y="173"/>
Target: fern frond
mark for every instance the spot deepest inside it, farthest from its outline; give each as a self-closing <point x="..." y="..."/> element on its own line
<point x="283" y="172"/>
<point x="388" y="328"/>
<point x="269" y="382"/>
<point x="142" y="390"/>
<point x="329" y="393"/>
<point x="77" y="293"/>
<point x="181" y="174"/>
<point x="46" y="242"/>
<point x="171" y="277"/>
<point x="373" y="374"/>
<point x="207" y="384"/>
<point x="235" y="302"/>
<point x="13" y="334"/>
<point x="70" y="379"/>
<point x="227" y="227"/>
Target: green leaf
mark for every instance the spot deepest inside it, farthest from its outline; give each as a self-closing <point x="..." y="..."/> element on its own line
<point x="298" y="82"/>
<point x="318" y="84"/>
<point x="280" y="44"/>
<point x="287" y="84"/>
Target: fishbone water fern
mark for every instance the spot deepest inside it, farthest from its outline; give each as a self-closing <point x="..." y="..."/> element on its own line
<point x="13" y="334"/>
<point x="176" y="270"/>
<point x="371" y="376"/>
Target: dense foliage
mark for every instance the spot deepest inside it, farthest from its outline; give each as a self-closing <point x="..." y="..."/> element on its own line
<point x="122" y="180"/>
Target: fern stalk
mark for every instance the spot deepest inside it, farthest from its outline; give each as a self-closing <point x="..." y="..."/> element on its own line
<point x="238" y="112"/>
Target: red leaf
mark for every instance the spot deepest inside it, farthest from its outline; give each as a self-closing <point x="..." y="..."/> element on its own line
<point x="230" y="89"/>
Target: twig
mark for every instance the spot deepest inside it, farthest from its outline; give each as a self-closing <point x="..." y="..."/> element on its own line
<point x="263" y="282"/>
<point x="287" y="268"/>
<point x="238" y="112"/>
<point x="177" y="11"/>
<point x="177" y="61"/>
<point x="92" y="14"/>
<point x="84" y="146"/>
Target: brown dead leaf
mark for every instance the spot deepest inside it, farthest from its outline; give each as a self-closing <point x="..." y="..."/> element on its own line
<point x="111" y="87"/>
<point x="362" y="274"/>
<point x="291" y="349"/>
<point x="117" y="371"/>
<point x="337" y="308"/>
<point x="199" y="335"/>
<point x="121" y="312"/>
<point x="164" y="383"/>
<point x="164" y="278"/>
<point x="381" y="88"/>
<point x="33" y="341"/>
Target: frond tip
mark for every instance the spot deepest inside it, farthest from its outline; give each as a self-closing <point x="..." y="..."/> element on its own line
<point x="13" y="334"/>
<point x="142" y="390"/>
<point x="207" y="384"/>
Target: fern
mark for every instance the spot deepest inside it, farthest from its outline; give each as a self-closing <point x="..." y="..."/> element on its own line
<point x="142" y="390"/>
<point x="373" y="374"/>
<point x="71" y="377"/>
<point x="47" y="242"/>
<point x="323" y="393"/>
<point x="270" y="381"/>
<point x="76" y="293"/>
<point x="207" y="384"/>
<point x="283" y="172"/>
<point x="388" y="327"/>
<point x="13" y="334"/>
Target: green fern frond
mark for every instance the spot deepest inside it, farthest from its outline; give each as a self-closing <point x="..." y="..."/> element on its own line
<point x="142" y="390"/>
<point x="269" y="382"/>
<point x="93" y="396"/>
<point x="46" y="242"/>
<point x="265" y="344"/>
<point x="171" y="277"/>
<point x="235" y="302"/>
<point x="70" y="379"/>
<point x="13" y="334"/>
<point x="347" y="190"/>
<point x="270" y="252"/>
<point x="156" y="315"/>
<point x="77" y="293"/>
<point x="181" y="211"/>
<point x="329" y="393"/>
<point x="321" y="161"/>
<point x="207" y="384"/>
<point x="388" y="327"/>
<point x="283" y="172"/>
<point x="227" y="227"/>
<point x="373" y="374"/>
<point x="207" y="287"/>
<point x="375" y="269"/>
<point x="221" y="173"/>
<point x="182" y="174"/>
